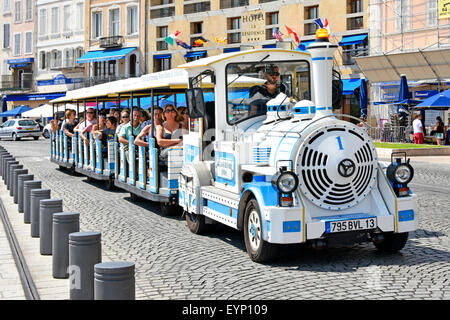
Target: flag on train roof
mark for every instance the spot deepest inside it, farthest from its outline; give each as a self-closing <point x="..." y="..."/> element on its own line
<point x="220" y="40"/>
<point x="183" y="44"/>
<point x="323" y="23"/>
<point x="277" y="34"/>
<point x="170" y="39"/>
<point x="290" y="31"/>
<point x="199" y="41"/>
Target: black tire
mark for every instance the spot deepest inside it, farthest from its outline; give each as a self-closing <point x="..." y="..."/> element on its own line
<point x="257" y="249"/>
<point x="110" y="184"/>
<point x="196" y="223"/>
<point x="35" y="138"/>
<point x="46" y="134"/>
<point x="135" y="197"/>
<point x="393" y="242"/>
<point x="14" y="137"/>
<point x="171" y="209"/>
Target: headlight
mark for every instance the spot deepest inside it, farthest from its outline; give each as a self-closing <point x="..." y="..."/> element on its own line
<point x="286" y="181"/>
<point x="400" y="173"/>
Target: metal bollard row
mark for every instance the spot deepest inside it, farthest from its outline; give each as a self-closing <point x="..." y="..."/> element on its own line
<point x="75" y="255"/>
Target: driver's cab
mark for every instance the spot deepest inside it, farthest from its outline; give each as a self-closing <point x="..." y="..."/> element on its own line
<point x="251" y="88"/>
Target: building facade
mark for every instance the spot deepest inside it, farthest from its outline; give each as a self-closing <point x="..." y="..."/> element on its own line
<point x="251" y="24"/>
<point x="59" y="42"/>
<point x="112" y="40"/>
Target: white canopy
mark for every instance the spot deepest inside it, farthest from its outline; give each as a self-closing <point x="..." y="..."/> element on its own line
<point x="46" y="111"/>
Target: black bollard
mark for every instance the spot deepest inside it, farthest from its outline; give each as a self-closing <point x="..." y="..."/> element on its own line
<point x="9" y="163"/>
<point x="36" y="196"/>
<point x="14" y="183"/>
<point x="4" y="160"/>
<point x="12" y="174"/>
<point x="21" y="178"/>
<point x="2" y="155"/>
<point x="64" y="223"/>
<point x="27" y="187"/>
<point x="47" y="208"/>
<point x="85" y="251"/>
<point x="114" y="281"/>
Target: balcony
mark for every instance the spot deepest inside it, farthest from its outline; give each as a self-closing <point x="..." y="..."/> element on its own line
<point x="12" y="83"/>
<point x="162" y="12"/>
<point x="111" y="42"/>
<point x="225" y="4"/>
<point x="197" y="7"/>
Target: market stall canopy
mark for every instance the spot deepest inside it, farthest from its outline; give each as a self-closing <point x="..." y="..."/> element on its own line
<point x="15" y="112"/>
<point x="417" y="65"/>
<point x="440" y="101"/>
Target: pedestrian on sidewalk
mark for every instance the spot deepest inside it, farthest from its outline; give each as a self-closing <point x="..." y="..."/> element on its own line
<point x="439" y="129"/>
<point x="418" y="130"/>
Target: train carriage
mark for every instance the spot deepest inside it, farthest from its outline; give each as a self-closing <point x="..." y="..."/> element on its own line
<point x="264" y="154"/>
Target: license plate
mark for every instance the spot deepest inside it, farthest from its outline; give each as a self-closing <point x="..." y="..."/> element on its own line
<point x="350" y="225"/>
<point x="29" y="129"/>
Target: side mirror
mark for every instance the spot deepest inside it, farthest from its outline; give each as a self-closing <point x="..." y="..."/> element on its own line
<point x="195" y="103"/>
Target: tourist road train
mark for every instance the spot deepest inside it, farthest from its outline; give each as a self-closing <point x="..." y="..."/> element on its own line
<point x="281" y="169"/>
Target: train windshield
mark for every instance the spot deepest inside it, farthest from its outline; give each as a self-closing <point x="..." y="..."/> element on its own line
<point x="251" y="85"/>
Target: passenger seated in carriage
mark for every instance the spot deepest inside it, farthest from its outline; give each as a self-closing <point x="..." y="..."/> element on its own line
<point x="132" y="128"/>
<point x="170" y="132"/>
<point x="106" y="135"/>
<point x="86" y="126"/>
<point x="144" y="136"/>
<point x="69" y="126"/>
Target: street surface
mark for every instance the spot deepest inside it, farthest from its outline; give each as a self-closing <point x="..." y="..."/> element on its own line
<point x="173" y="263"/>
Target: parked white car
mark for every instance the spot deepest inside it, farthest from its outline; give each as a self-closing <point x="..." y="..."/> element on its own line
<point x="20" y="128"/>
<point x="46" y="131"/>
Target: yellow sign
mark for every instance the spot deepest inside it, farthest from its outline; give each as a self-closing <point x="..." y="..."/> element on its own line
<point x="444" y="9"/>
<point x="253" y="23"/>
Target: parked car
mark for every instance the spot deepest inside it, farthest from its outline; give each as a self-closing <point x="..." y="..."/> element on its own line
<point x="46" y="131"/>
<point x="20" y="128"/>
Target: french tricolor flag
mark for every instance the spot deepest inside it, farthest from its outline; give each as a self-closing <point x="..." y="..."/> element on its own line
<point x="323" y="23"/>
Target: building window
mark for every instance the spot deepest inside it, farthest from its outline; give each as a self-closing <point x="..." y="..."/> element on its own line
<point x="56" y="58"/>
<point x="310" y="28"/>
<point x="68" y="57"/>
<point x="17" y="44"/>
<point x="234" y="24"/>
<point x="29" y="42"/>
<point x="311" y="12"/>
<point x="6" y="35"/>
<point x="162" y="33"/>
<point x="114" y="22"/>
<point x="354" y="6"/>
<point x="272" y="18"/>
<point x="80" y="16"/>
<point x="55" y="20"/>
<point x="67" y="18"/>
<point x="18" y="11"/>
<point x="402" y="14"/>
<point x="355" y="23"/>
<point x="6" y="6"/>
<point x="132" y="20"/>
<point x="349" y="53"/>
<point x="28" y="10"/>
<point x="42" y="60"/>
<point x="196" y="27"/>
<point x="432" y="18"/>
<point x="97" y="28"/>
<point x="161" y="64"/>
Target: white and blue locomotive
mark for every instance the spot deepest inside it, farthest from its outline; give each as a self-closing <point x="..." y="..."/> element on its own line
<point x="283" y="169"/>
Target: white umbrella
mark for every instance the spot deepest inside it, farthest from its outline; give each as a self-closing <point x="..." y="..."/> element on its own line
<point x="43" y="111"/>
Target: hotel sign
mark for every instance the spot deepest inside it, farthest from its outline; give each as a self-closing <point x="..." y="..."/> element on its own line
<point x="253" y="23"/>
<point x="444" y="9"/>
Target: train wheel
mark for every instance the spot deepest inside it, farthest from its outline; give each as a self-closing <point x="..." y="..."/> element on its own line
<point x="171" y="209"/>
<point x="392" y="242"/>
<point x="196" y="223"/>
<point x="258" y="249"/>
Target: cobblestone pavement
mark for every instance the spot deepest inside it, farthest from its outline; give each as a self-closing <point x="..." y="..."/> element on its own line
<point x="172" y="263"/>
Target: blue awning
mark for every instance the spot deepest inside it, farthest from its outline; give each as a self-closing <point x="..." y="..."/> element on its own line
<point x="105" y="55"/>
<point x="33" y="97"/>
<point x="235" y="49"/>
<point x="20" y="60"/>
<point x="18" y="65"/>
<point x="349" y="85"/>
<point x="355" y="39"/>
<point x="162" y="56"/>
<point x="195" y="54"/>
<point x="304" y="44"/>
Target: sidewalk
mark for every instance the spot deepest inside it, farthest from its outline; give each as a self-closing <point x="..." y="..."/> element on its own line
<point x="10" y="285"/>
<point x="40" y="266"/>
